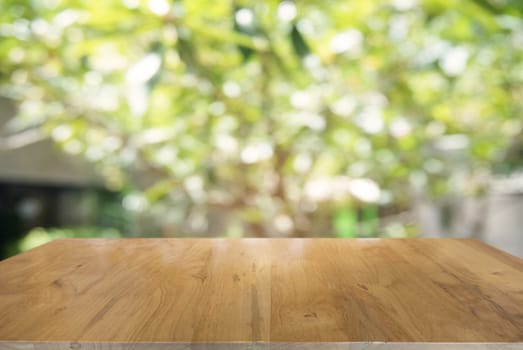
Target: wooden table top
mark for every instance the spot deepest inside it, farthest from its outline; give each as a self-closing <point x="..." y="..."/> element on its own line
<point x="258" y="293"/>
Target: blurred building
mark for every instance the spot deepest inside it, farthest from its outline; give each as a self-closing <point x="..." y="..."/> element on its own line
<point x="40" y="186"/>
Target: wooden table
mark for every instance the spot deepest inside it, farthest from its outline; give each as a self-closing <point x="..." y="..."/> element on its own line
<point x="174" y="294"/>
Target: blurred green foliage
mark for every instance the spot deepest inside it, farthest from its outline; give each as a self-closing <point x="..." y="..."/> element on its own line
<point x="39" y="236"/>
<point x="272" y="117"/>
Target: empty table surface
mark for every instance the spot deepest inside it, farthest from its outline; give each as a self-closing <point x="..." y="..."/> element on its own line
<point x="261" y="293"/>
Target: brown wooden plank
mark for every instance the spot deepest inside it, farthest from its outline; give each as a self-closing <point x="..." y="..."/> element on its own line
<point x="260" y="346"/>
<point x="137" y="290"/>
<point x="394" y="290"/>
<point x="244" y="293"/>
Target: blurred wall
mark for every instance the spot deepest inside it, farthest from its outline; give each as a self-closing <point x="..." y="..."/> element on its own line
<point x="26" y="156"/>
<point x="496" y="219"/>
<point x="504" y="227"/>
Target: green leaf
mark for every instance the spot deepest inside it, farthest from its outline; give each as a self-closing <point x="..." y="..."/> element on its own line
<point x="345" y="223"/>
<point x="249" y="31"/>
<point x="301" y="49"/>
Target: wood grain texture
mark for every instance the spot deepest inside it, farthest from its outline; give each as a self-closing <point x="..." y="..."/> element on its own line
<point x="260" y="346"/>
<point x="259" y="293"/>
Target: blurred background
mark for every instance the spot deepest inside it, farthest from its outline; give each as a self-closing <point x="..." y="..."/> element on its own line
<point x="232" y="118"/>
